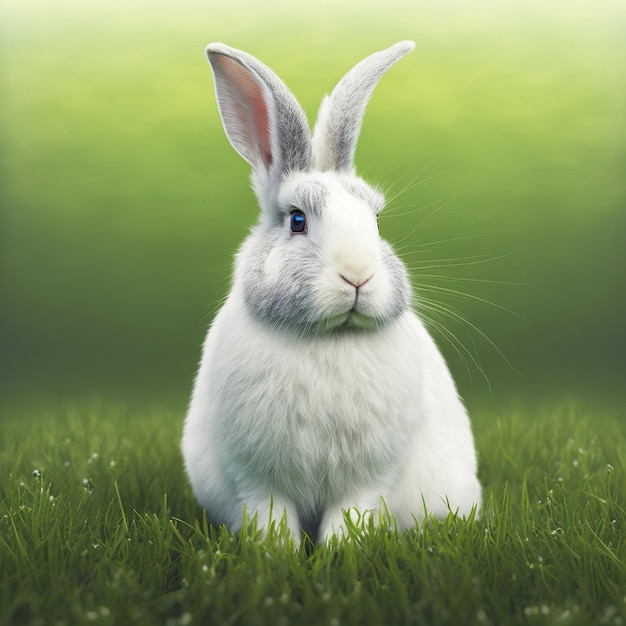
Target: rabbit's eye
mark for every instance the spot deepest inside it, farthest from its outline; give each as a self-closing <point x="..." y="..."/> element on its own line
<point x="298" y="221"/>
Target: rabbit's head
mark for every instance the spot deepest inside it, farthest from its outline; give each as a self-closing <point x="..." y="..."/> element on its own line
<point x="315" y="262"/>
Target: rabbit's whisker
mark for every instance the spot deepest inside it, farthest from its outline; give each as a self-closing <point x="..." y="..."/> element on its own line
<point x="460" y="348"/>
<point x="424" y="287"/>
<point x="429" y="264"/>
<point x="452" y="313"/>
<point x="442" y="205"/>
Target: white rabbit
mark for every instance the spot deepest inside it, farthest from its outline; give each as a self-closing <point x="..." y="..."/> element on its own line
<point x="319" y="389"/>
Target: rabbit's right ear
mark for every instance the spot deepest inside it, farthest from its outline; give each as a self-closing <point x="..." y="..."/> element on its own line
<point x="339" y="119"/>
<point x="262" y="119"/>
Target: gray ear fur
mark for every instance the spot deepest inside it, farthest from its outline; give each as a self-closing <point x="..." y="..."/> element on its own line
<point x="339" y="119"/>
<point x="262" y="119"/>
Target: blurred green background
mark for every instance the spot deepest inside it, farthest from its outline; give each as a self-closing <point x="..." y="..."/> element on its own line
<point x="500" y="141"/>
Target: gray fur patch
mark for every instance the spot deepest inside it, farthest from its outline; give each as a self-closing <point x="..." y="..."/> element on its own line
<point x="339" y="122"/>
<point x="289" y="128"/>
<point x="293" y="135"/>
<point x="401" y="285"/>
<point x="286" y="300"/>
<point x="311" y="197"/>
<point x="360" y="189"/>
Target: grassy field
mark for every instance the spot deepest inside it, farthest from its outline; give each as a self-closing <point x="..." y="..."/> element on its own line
<point x="98" y="525"/>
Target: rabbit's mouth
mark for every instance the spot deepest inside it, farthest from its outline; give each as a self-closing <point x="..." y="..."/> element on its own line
<point x="350" y="320"/>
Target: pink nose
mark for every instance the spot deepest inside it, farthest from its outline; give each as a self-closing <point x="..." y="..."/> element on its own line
<point x="355" y="282"/>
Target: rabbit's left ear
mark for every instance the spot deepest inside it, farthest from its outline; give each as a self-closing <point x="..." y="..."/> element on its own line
<point x="339" y="119"/>
<point x="262" y="119"/>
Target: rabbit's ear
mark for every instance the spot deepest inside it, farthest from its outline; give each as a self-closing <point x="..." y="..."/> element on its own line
<point x="262" y="119"/>
<point x="339" y="119"/>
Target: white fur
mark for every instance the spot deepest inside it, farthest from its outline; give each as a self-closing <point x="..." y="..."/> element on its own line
<point x="357" y="404"/>
<point x="326" y="424"/>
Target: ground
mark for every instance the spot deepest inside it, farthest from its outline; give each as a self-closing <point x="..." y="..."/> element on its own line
<point x="98" y="525"/>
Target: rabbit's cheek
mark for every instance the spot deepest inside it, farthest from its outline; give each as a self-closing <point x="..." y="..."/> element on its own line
<point x="375" y="296"/>
<point x="273" y="265"/>
<point x="334" y="295"/>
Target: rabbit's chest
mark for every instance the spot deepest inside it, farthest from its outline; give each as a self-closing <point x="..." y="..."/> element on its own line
<point x="303" y="439"/>
<point x="312" y="418"/>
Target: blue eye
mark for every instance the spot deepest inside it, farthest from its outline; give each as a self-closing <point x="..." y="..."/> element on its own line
<point x="298" y="221"/>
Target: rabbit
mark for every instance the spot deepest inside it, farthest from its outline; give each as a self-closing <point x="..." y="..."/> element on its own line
<point x="320" y="391"/>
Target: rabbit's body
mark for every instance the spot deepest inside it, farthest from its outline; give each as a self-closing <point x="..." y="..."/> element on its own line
<point x="319" y="389"/>
<point x="327" y="423"/>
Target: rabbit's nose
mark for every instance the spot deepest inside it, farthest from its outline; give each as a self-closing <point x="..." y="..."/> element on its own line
<point x="354" y="281"/>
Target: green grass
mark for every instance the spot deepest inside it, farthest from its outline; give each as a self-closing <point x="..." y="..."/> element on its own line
<point x="98" y="525"/>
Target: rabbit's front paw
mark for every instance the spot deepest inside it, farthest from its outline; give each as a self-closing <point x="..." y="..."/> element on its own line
<point x="346" y="523"/>
<point x="275" y="517"/>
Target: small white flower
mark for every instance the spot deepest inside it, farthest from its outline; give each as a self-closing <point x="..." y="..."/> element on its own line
<point x="185" y="619"/>
<point x="609" y="612"/>
<point x="92" y="616"/>
<point x="575" y="462"/>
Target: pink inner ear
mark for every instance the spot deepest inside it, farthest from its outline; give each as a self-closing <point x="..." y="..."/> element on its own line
<point x="250" y="111"/>
<point x="261" y="122"/>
